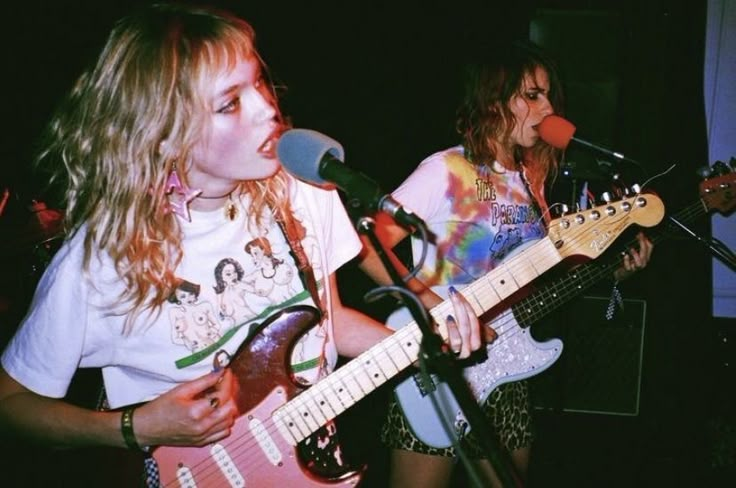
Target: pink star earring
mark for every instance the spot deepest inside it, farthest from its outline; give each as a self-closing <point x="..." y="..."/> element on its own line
<point x="179" y="196"/>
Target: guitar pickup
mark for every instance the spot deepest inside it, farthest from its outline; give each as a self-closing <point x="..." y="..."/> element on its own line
<point x="425" y="383"/>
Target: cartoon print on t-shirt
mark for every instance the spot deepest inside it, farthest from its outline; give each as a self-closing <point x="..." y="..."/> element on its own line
<point x="505" y="241"/>
<point x="499" y="242"/>
<point x="272" y="277"/>
<point x="193" y="323"/>
<point x="231" y="290"/>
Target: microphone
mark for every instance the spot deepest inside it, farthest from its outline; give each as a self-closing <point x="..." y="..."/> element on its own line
<point x="317" y="158"/>
<point x="558" y="132"/>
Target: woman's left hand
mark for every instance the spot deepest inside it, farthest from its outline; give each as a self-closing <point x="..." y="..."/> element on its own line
<point x="635" y="259"/>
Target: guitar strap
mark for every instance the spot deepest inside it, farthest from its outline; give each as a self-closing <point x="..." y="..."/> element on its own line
<point x="537" y="194"/>
<point x="291" y="230"/>
<point x="306" y="273"/>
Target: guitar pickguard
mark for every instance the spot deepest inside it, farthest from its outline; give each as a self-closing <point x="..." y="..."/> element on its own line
<point x="513" y="356"/>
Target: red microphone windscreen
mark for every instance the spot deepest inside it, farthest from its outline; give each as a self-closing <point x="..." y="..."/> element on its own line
<point x="556" y="131"/>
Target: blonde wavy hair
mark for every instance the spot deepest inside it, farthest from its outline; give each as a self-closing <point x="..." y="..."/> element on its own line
<point x="105" y="142"/>
<point x="484" y="117"/>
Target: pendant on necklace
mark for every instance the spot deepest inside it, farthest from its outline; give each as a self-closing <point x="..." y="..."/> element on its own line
<point x="231" y="210"/>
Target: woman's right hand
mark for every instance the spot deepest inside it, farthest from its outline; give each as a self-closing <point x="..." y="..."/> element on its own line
<point x="195" y="413"/>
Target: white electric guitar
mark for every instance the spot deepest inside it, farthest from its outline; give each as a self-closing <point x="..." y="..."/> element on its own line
<point x="431" y="410"/>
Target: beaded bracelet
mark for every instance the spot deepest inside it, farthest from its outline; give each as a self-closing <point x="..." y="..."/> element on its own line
<point x="126" y="427"/>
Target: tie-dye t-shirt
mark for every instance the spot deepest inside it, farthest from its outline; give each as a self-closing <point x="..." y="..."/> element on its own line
<point x="476" y="216"/>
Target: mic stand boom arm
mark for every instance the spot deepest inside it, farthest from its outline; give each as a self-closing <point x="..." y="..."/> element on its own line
<point x="444" y="364"/>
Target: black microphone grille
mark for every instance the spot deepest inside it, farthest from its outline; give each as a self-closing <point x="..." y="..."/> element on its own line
<point x="302" y="150"/>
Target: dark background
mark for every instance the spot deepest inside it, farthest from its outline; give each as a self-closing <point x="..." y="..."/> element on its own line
<point x="383" y="79"/>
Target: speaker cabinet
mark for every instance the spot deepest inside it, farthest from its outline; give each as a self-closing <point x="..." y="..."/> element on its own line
<point x="600" y="367"/>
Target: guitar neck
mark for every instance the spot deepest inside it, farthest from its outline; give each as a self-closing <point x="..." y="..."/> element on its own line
<point x="503" y="281"/>
<point x="334" y="394"/>
<point x="554" y="295"/>
<point x="349" y="384"/>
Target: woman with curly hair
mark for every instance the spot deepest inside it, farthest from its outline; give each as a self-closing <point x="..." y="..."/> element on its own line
<point x="167" y="147"/>
<point x="481" y="200"/>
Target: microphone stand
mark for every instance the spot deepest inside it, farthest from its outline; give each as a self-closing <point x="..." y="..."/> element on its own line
<point x="717" y="248"/>
<point x="444" y="364"/>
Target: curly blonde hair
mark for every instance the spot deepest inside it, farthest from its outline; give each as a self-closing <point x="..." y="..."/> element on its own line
<point x="484" y="116"/>
<point x="107" y="134"/>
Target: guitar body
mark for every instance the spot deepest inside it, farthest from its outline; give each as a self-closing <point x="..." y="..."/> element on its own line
<point x="256" y="454"/>
<point x="513" y="356"/>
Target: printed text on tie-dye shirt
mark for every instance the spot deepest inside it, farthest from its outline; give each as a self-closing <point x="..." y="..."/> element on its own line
<point x="512" y="214"/>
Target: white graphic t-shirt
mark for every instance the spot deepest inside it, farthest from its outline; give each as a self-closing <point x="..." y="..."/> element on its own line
<point x="232" y="278"/>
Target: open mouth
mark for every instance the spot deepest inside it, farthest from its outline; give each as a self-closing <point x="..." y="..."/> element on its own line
<point x="268" y="148"/>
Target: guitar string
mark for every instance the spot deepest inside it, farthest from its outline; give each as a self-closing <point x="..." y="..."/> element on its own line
<point x="270" y="427"/>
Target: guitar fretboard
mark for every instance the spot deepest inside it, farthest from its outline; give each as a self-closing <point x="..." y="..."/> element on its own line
<point x="503" y="281"/>
<point x="331" y="396"/>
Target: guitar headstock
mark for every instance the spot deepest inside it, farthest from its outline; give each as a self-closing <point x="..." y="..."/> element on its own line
<point x="717" y="192"/>
<point x="592" y="231"/>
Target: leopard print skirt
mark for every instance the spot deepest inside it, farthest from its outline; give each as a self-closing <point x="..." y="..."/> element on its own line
<point x="507" y="410"/>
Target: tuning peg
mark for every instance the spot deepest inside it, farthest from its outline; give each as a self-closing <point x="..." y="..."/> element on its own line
<point x="606" y="196"/>
<point x="720" y="168"/>
<point x="635" y="188"/>
<point x="564" y="208"/>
